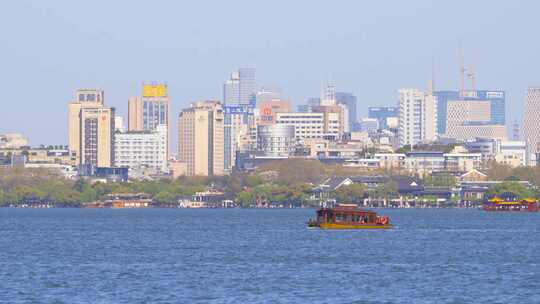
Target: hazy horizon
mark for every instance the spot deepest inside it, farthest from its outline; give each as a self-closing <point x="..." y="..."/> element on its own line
<point x="372" y="50"/>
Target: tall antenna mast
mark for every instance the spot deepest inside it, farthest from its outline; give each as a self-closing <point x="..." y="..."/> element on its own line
<point x="472" y="76"/>
<point x="431" y="87"/>
<point x="462" y="70"/>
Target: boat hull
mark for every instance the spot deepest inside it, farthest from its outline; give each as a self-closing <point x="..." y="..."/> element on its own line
<point x="353" y="226"/>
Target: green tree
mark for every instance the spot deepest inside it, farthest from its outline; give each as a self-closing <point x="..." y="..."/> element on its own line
<point x="164" y="197"/>
<point x="353" y="193"/>
<point x="244" y="198"/>
<point x="442" y="180"/>
<point x="512" y="187"/>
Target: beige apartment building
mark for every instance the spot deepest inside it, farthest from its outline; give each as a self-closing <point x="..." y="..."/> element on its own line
<point x="200" y="138"/>
<point x="91" y="129"/>
<point x="334" y="119"/>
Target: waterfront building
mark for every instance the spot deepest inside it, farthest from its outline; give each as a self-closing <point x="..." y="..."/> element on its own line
<point x="384" y="115"/>
<point x="428" y="162"/>
<point x="42" y="155"/>
<point x="462" y="162"/>
<point x="511" y="153"/>
<point x="332" y="150"/>
<point x="200" y="138"/>
<point x="390" y="161"/>
<point x="306" y="125"/>
<point x="275" y="140"/>
<point x="424" y="162"/>
<point x="417" y="117"/>
<point x="12" y="141"/>
<point x="531" y="126"/>
<point x="240" y="88"/>
<point x="91" y="129"/>
<point x="142" y="149"/>
<point x="486" y="147"/>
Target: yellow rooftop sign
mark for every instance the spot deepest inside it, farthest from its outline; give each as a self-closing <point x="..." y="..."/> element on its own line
<point x="159" y="90"/>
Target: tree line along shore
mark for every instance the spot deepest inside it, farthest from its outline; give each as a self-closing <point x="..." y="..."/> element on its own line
<point x="288" y="183"/>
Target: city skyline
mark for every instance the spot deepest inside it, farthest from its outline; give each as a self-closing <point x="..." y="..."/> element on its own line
<point x="361" y="53"/>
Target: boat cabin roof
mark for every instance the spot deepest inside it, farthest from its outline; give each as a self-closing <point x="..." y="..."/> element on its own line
<point x="346" y="210"/>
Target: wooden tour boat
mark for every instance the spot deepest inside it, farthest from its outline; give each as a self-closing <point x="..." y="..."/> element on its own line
<point x="349" y="216"/>
<point x="500" y="204"/>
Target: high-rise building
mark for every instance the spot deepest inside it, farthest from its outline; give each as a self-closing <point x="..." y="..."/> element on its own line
<point x="334" y="120"/>
<point x="530" y="126"/>
<point x="91" y="129"/>
<point x="417" y="117"/>
<point x="275" y="140"/>
<point x="267" y="95"/>
<point x="498" y="104"/>
<point x="241" y="88"/>
<point x="382" y="114"/>
<point x="150" y="110"/>
<point x="142" y="149"/>
<point x="466" y="112"/>
<point x="200" y="138"/>
<point x="470" y="130"/>
<point x="370" y="125"/>
<point x="310" y="103"/>
<point x="516" y="131"/>
<point x="496" y="100"/>
<point x="442" y="101"/>
<point x="266" y="112"/>
<point x="306" y="125"/>
<point x="237" y="123"/>
<point x="119" y="124"/>
<point x="335" y="115"/>
<point x="350" y="101"/>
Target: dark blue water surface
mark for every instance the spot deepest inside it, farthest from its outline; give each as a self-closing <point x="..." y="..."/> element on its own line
<point x="265" y="256"/>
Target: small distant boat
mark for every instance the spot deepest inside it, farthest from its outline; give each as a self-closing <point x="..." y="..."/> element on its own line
<point x="349" y="216"/>
<point x="500" y="204"/>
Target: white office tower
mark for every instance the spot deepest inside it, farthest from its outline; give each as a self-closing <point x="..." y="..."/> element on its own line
<point x="142" y="149"/>
<point x="417" y="117"/>
<point x="531" y="124"/>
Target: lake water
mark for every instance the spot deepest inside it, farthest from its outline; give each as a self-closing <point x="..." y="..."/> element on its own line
<point x="265" y="256"/>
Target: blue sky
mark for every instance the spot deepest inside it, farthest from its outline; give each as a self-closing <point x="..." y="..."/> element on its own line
<point x="371" y="48"/>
